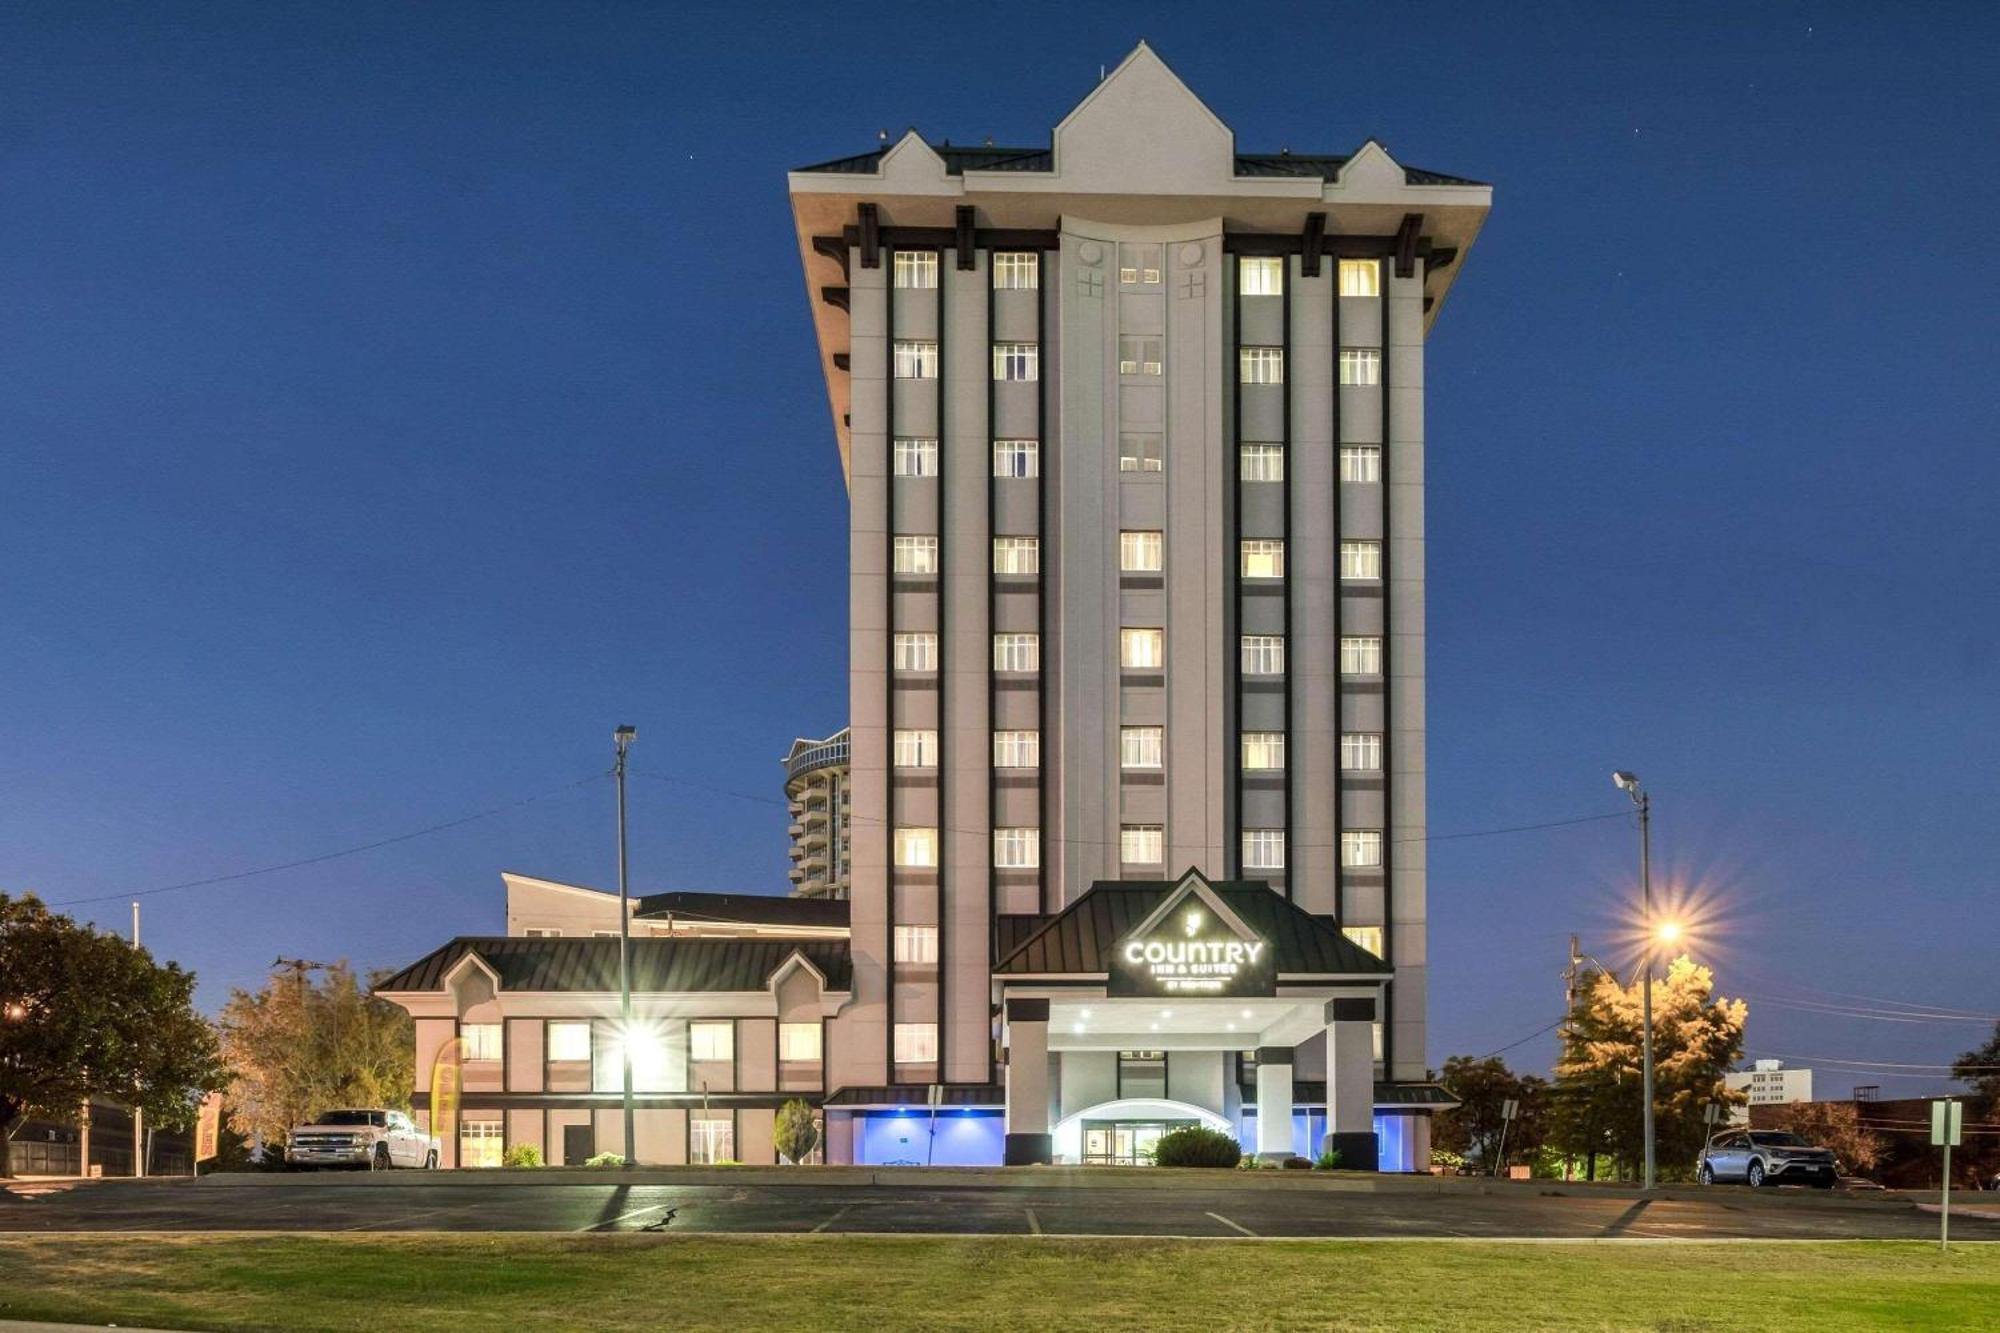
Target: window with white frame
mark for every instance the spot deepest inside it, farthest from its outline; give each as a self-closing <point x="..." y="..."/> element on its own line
<point x="916" y="268"/>
<point x="1017" y="652"/>
<point x="1262" y="462"/>
<point x="1263" y="558"/>
<point x="1361" y="560"/>
<point x="1017" y="749"/>
<point x="916" y="848"/>
<point x="916" y="457"/>
<point x="1263" y="849"/>
<point x="1263" y="751"/>
<point x="1361" y="655"/>
<point x="916" y="944"/>
<point x="1017" y="458"/>
<point x="1017" y="555"/>
<point x="1142" y="747"/>
<point x="915" y="749"/>
<point x="1361" y="751"/>
<point x="1260" y="275"/>
<point x="1016" y="361"/>
<point x="542" y="933"/>
<point x="1360" y="365"/>
<point x="1142" y="844"/>
<point x="1368" y="937"/>
<point x="916" y="359"/>
<point x="1261" y="365"/>
<point x="1142" y="649"/>
<point x="800" y="1041"/>
<point x="1016" y="270"/>
<point x="481" y="1143"/>
<point x="1017" y="848"/>
<point x="916" y="651"/>
<point x="482" y="1041"/>
<point x="1360" y="277"/>
<point x="1361" y="463"/>
<point x="916" y="1043"/>
<point x="1138" y="265"/>
<point x="712" y="1041"/>
<point x="712" y="1134"/>
<point x="1263" y="654"/>
<point x="569" y="1042"/>
<point x="1361" y="848"/>
<point x="1139" y="356"/>
<point x="1141" y="552"/>
<point x="916" y="555"/>
<point x="1139" y="452"/>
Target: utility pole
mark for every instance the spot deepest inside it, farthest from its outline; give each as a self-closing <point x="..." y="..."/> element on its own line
<point x="623" y="737"/>
<point x="138" y="1116"/>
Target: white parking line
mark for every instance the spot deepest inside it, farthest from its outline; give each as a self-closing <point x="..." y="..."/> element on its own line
<point x="392" y="1223"/>
<point x="625" y="1217"/>
<point x="836" y="1215"/>
<point x="1034" y="1223"/>
<point x="1238" y="1226"/>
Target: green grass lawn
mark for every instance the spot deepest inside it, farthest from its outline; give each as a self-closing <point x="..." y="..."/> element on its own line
<point x="517" y="1283"/>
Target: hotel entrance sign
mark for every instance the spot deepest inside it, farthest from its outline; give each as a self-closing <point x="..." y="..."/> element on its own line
<point x="1190" y="952"/>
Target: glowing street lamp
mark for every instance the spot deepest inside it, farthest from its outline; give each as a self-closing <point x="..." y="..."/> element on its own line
<point x="623" y="738"/>
<point x="1629" y="784"/>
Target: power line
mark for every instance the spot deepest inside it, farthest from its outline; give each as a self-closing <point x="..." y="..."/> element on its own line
<point x="336" y="855"/>
<point x="1872" y="1015"/>
<point x="1525" y="1040"/>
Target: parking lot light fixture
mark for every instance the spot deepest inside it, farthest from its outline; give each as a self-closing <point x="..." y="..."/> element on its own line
<point x="1629" y="784"/>
<point x="622" y="738"/>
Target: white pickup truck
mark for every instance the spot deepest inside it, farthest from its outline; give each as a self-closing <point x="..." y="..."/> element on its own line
<point x="362" y="1137"/>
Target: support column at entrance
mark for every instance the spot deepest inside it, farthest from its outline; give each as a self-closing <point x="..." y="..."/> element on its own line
<point x="1350" y="1082"/>
<point x="1028" y="1140"/>
<point x="1274" y="1102"/>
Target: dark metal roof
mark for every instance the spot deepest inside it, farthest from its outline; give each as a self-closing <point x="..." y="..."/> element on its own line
<point x="1080" y="937"/>
<point x="1313" y="1093"/>
<point x="957" y="161"/>
<point x="955" y="1094"/>
<point x="658" y="965"/>
<point x="1011" y="931"/>
<point x="750" y="909"/>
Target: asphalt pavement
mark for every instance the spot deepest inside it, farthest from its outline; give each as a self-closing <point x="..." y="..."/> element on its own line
<point x="438" y="1203"/>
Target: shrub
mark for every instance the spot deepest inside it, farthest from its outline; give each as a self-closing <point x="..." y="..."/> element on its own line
<point x="1296" y="1164"/>
<point x="606" y="1159"/>
<point x="1329" y="1160"/>
<point x="522" y="1154"/>
<point x="1196" y="1145"/>
<point x="795" y="1133"/>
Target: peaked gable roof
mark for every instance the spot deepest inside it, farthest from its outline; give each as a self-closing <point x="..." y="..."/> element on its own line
<point x="658" y="965"/>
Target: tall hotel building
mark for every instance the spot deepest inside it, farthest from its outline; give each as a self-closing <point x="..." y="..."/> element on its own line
<point x="1129" y="822"/>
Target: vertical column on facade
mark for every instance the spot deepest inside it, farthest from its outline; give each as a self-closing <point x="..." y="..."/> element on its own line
<point x="1028" y="1142"/>
<point x="863" y="1048"/>
<point x="1048" y="291"/>
<point x="1403" y="574"/>
<point x="1311" y="570"/>
<point x="965" y="466"/>
<point x="1263" y="603"/>
<point x="1350" y="1081"/>
<point x="1274" y="1102"/>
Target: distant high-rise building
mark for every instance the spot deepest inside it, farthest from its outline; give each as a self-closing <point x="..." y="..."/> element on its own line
<point x="816" y="792"/>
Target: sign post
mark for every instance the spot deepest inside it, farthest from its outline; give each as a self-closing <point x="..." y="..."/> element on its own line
<point x="1947" y="1132"/>
<point x="934" y="1094"/>
<point x="1509" y="1108"/>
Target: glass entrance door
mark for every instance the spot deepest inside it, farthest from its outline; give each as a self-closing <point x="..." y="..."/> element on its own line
<point x="1124" y="1142"/>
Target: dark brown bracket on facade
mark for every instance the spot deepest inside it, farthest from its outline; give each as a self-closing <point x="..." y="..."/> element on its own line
<point x="843" y="361"/>
<point x="834" y="248"/>
<point x="1310" y="244"/>
<point x="968" y="258"/>
<point x="1441" y="257"/>
<point x="1406" y="244"/>
<point x="834" y="296"/>
<point x="871" y="236"/>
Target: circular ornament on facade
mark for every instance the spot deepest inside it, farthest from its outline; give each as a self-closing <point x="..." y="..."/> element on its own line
<point x="1190" y="254"/>
<point x="1090" y="252"/>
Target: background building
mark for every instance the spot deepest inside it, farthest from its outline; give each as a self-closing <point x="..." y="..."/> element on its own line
<point x="1768" y="1083"/>
<point x="816" y="790"/>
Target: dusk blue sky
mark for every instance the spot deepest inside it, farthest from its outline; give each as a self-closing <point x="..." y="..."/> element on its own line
<point x="393" y="398"/>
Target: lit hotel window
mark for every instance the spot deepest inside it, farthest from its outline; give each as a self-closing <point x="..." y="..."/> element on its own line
<point x="1263" y="654"/>
<point x="1017" y="749"/>
<point x="916" y="268"/>
<point x="916" y="749"/>
<point x="1016" y="361"/>
<point x="569" y="1042"/>
<point x="1017" y="458"/>
<point x="1361" y="560"/>
<point x="916" y="944"/>
<point x="1263" y="849"/>
<point x="1017" y="848"/>
<point x="1263" y="751"/>
<point x="1263" y="559"/>
<point x="916" y="555"/>
<point x="1361" y="655"/>
<point x="1138" y="265"/>
<point x="1141" y="552"/>
<point x="1142" y="844"/>
<point x="1360" y="365"/>
<point x="1360" y="277"/>
<point x="1262" y="365"/>
<point x="799" y="1041"/>
<point x="711" y="1137"/>
<point x="1262" y="462"/>
<point x="1139" y="453"/>
<point x="1139" y="356"/>
<point x="916" y="360"/>
<point x="1141" y="747"/>
<point x="712" y="1041"/>
<point x="1361" y="848"/>
<point x="916" y="458"/>
<point x="1017" y="555"/>
<point x="1142" y="649"/>
<point x="482" y="1041"/>
<point x="1017" y="652"/>
<point x="1261" y="276"/>
<point x="916" y="848"/>
<point x="1368" y="937"/>
<point x="916" y="651"/>
<point x="1361" y="751"/>
<point x="479" y="1142"/>
<point x="1361" y="462"/>
<point x="1015" y="270"/>
<point x="916" y="1043"/>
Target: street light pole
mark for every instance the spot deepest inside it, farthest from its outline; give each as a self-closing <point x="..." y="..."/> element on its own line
<point x="138" y="1116"/>
<point x="623" y="738"/>
<point x="1629" y="784"/>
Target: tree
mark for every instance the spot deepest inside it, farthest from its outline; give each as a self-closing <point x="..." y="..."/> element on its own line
<point x="796" y="1134"/>
<point x="1596" y="1103"/>
<point x="1474" y="1127"/>
<point x="296" y="1049"/>
<point x="83" y="1015"/>
<point x="1836" y="1125"/>
<point x="1980" y="1068"/>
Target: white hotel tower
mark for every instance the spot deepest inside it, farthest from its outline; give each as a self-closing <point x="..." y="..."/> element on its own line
<point x="1133" y="428"/>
